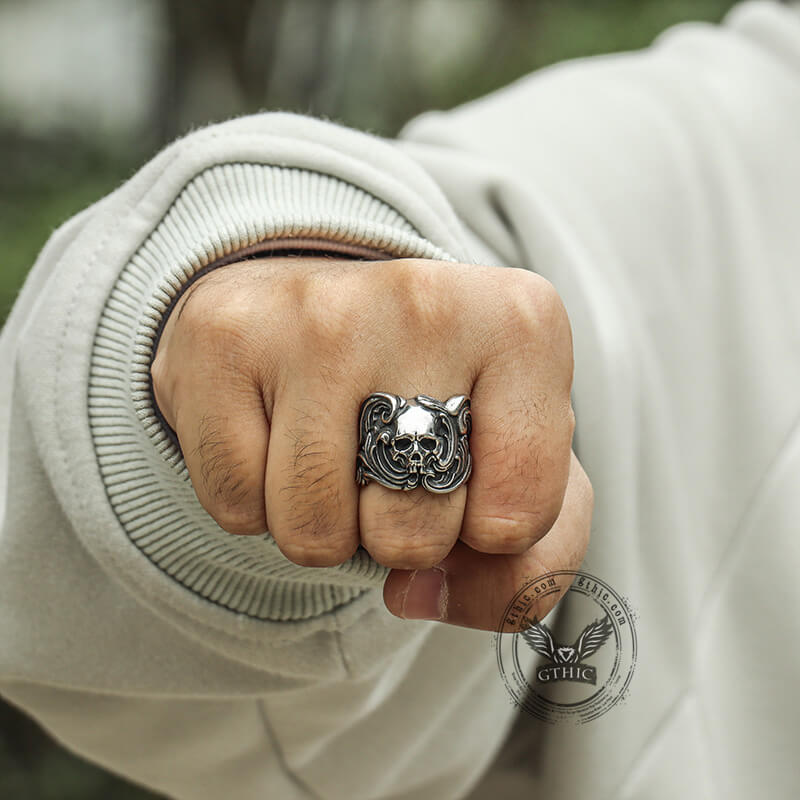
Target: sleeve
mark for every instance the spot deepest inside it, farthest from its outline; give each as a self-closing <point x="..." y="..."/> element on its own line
<point x="132" y="627"/>
<point x="658" y="191"/>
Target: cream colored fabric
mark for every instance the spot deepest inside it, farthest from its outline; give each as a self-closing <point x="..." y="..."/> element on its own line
<point x="657" y="192"/>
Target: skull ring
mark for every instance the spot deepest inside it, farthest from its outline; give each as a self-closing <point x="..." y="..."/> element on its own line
<point x="416" y="442"/>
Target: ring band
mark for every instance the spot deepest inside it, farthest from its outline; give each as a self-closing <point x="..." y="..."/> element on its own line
<point x="416" y="442"/>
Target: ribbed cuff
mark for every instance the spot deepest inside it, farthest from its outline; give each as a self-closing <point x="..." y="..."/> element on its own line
<point x="225" y="212"/>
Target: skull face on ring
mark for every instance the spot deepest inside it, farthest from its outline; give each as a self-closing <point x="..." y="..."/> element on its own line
<point x="416" y="445"/>
<point x="416" y="442"/>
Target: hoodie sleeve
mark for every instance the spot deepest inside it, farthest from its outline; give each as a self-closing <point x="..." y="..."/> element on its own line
<point x="78" y="348"/>
<point x="119" y="594"/>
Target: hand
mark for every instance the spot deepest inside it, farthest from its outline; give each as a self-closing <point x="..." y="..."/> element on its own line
<point x="261" y="370"/>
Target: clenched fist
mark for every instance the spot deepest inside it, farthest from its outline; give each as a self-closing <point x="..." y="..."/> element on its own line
<point x="261" y="370"/>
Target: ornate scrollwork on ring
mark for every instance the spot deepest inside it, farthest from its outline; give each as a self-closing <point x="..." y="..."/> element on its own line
<point x="416" y="442"/>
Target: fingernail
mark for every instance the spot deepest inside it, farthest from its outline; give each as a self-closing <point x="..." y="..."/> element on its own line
<point x="426" y="595"/>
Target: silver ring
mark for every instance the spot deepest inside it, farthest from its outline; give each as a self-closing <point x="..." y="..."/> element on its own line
<point x="417" y="442"/>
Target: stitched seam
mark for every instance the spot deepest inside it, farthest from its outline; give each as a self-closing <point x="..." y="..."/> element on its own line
<point x="340" y="648"/>
<point x="77" y="290"/>
<point x="279" y="754"/>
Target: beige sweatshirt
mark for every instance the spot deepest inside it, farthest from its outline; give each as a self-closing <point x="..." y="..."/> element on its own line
<point x="658" y="192"/>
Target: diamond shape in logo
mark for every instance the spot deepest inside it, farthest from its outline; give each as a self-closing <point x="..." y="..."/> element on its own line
<point x="566" y="654"/>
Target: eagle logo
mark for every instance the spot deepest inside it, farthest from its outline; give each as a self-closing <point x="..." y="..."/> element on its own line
<point x="566" y="661"/>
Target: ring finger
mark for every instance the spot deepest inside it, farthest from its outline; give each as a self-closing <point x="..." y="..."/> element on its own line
<point x="412" y="529"/>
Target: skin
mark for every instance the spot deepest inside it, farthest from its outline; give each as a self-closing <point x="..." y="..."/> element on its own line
<point x="261" y="370"/>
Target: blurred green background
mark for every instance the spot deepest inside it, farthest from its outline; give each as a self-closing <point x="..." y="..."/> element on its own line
<point x="90" y="89"/>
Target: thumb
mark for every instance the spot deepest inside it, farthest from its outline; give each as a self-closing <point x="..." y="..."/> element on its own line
<point x="473" y="589"/>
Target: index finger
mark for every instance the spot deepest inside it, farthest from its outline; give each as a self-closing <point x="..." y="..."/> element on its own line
<point x="522" y="424"/>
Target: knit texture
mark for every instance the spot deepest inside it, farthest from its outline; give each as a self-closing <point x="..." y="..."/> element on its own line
<point x="224" y="210"/>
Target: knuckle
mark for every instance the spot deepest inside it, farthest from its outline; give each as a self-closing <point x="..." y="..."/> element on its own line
<point x="310" y="553"/>
<point x="521" y="503"/>
<point x="159" y="369"/>
<point x="420" y="294"/>
<point x="192" y="309"/>
<point x="161" y="378"/>
<point x="532" y="302"/>
<point x="226" y="352"/>
<point x="214" y="320"/>
<point x="330" y="325"/>
<point x="503" y="534"/>
<point x="399" y="550"/>
<point x="408" y="534"/>
<point x="537" y="291"/>
<point x="223" y="330"/>
<point x="238" y="521"/>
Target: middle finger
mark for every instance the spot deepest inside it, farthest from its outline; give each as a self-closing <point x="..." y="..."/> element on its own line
<point x="311" y="494"/>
